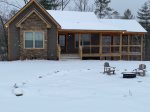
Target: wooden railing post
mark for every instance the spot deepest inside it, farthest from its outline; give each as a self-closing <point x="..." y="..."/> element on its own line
<point x="121" y="46"/>
<point x="128" y="46"/>
<point x="101" y="46"/>
<point x="142" y="47"/>
<point x="80" y="52"/>
<point x="58" y="51"/>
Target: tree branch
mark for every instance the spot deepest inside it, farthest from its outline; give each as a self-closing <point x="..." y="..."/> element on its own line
<point x="10" y="4"/>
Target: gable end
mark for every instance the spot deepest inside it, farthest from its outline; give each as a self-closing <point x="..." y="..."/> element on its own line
<point x="29" y="14"/>
<point x="28" y="5"/>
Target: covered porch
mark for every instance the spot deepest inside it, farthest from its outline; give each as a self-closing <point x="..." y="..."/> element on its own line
<point x="101" y="45"/>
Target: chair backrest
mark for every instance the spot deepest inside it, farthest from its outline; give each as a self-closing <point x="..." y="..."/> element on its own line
<point x="142" y="66"/>
<point x="106" y="64"/>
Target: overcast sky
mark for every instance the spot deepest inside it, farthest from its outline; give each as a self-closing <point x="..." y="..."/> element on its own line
<point x="119" y="5"/>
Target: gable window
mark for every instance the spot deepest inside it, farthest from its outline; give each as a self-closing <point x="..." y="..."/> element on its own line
<point x="33" y="40"/>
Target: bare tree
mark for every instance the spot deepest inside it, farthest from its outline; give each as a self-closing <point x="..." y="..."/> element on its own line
<point x="10" y="4"/>
<point x="25" y="1"/>
<point x="64" y="3"/>
<point x="3" y="40"/>
<point x="7" y="10"/>
<point x="54" y="4"/>
<point x="82" y="5"/>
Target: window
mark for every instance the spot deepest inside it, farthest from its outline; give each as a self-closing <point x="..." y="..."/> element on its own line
<point x="62" y="40"/>
<point x="85" y="39"/>
<point x="34" y="40"/>
<point x="28" y="40"/>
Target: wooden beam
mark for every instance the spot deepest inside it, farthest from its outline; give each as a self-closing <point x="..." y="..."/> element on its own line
<point x="99" y="31"/>
<point x="79" y="39"/>
<point x="120" y="49"/>
<point x="128" y="45"/>
<point x="80" y="47"/>
<point x="90" y="44"/>
<point x="101" y="44"/>
<point x="91" y="31"/>
<point x="142" y="47"/>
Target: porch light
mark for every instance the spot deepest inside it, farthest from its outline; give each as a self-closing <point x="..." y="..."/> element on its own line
<point x="123" y="32"/>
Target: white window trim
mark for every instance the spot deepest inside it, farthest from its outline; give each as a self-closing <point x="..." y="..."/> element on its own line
<point x="33" y="39"/>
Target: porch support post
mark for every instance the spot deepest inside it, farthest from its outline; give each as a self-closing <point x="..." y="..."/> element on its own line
<point x="120" y="46"/>
<point x="79" y="39"/>
<point x="90" y="45"/>
<point x="101" y="35"/>
<point x="128" y="46"/>
<point x="142" y="36"/>
<point x="80" y="47"/>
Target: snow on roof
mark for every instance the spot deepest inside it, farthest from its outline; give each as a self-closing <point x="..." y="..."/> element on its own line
<point x="73" y="20"/>
<point x="128" y="25"/>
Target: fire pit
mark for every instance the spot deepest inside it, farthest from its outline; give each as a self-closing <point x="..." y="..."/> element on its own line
<point x="129" y="74"/>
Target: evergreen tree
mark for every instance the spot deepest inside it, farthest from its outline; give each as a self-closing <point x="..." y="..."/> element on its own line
<point x="128" y="14"/>
<point x="144" y="20"/>
<point x="144" y="16"/>
<point x="50" y="4"/>
<point x="102" y="8"/>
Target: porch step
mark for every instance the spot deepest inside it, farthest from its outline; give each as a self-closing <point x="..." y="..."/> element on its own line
<point x="70" y="56"/>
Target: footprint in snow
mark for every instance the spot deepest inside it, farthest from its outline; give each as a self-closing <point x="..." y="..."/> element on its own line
<point x="139" y="81"/>
<point x="56" y="72"/>
<point x="40" y="77"/>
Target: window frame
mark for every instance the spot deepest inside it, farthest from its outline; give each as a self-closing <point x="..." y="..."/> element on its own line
<point x="33" y="39"/>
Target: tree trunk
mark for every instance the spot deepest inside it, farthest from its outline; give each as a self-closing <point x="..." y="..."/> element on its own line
<point x="3" y="42"/>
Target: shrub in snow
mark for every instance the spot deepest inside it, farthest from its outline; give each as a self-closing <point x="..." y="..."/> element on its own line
<point x="40" y="77"/>
<point x="18" y="92"/>
<point x="15" y="86"/>
<point x="56" y="72"/>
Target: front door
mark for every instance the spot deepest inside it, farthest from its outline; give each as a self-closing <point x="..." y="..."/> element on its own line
<point x="70" y="44"/>
<point x="67" y="43"/>
<point x="62" y="43"/>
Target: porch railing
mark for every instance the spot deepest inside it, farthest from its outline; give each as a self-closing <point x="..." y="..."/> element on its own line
<point x="58" y="51"/>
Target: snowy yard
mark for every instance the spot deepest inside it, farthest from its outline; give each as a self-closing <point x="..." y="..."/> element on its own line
<point x="72" y="86"/>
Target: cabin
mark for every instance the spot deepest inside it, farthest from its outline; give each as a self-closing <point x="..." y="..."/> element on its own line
<point x="36" y="33"/>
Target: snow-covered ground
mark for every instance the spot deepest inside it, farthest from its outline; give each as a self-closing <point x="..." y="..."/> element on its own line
<point x="72" y="86"/>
